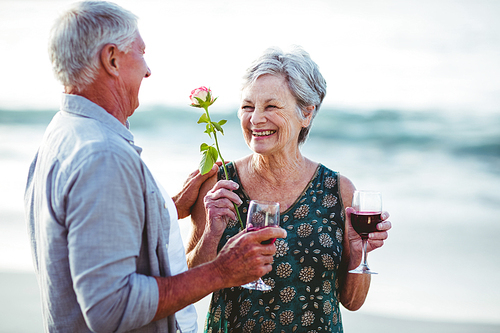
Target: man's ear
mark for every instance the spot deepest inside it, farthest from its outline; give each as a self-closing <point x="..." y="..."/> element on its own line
<point x="308" y="115"/>
<point x="109" y="59"/>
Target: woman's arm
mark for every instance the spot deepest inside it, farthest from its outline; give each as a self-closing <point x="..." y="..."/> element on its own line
<point x="210" y="214"/>
<point x="354" y="287"/>
<point x="198" y="220"/>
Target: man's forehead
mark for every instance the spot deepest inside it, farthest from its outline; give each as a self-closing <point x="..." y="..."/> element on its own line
<point x="139" y="42"/>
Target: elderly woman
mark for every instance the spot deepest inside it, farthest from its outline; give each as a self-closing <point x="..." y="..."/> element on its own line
<point x="281" y="96"/>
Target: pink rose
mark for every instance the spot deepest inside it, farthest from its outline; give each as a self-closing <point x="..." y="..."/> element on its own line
<point x="202" y="98"/>
<point x="204" y="94"/>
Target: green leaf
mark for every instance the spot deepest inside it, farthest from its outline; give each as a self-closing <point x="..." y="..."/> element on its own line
<point x="222" y="122"/>
<point x="204" y="147"/>
<point x="215" y="154"/>
<point x="207" y="162"/>
<point x="218" y="127"/>
<point x="203" y="119"/>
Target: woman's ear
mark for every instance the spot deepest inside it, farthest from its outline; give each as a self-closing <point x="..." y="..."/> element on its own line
<point x="109" y="59"/>
<point x="308" y="114"/>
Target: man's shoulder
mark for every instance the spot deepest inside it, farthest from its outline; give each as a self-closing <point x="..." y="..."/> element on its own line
<point x="76" y="138"/>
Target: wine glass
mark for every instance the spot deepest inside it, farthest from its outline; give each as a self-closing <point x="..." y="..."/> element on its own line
<point x="367" y="214"/>
<point x="262" y="214"/>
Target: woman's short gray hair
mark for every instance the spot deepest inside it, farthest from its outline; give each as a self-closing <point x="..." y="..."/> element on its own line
<point x="302" y="75"/>
<point x="79" y="35"/>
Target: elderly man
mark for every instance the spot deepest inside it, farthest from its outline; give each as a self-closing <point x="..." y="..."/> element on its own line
<point x="98" y="223"/>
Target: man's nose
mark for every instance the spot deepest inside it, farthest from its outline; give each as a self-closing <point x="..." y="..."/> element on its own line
<point x="148" y="73"/>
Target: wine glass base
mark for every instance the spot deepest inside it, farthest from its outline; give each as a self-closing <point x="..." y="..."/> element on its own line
<point x="362" y="269"/>
<point x="257" y="285"/>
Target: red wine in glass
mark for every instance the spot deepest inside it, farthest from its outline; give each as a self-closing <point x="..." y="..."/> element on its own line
<point x="367" y="214"/>
<point x="365" y="222"/>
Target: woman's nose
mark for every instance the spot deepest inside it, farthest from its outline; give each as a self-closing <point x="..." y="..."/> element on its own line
<point x="148" y="73"/>
<point x="257" y="116"/>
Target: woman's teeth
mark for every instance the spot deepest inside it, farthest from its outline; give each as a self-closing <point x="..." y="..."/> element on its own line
<point x="264" y="133"/>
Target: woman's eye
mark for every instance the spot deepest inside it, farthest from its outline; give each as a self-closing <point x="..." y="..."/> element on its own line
<point x="247" y="108"/>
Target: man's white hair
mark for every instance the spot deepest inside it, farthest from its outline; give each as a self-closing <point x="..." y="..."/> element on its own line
<point x="79" y="35"/>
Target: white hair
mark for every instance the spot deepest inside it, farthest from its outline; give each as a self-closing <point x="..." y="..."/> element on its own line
<point x="301" y="73"/>
<point x="79" y="35"/>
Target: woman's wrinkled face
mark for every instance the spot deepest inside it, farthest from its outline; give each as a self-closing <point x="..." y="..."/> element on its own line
<point x="268" y="116"/>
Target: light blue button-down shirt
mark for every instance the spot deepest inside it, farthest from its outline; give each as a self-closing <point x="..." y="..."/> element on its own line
<point x="98" y="225"/>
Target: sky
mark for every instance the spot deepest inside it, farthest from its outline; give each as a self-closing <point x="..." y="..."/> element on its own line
<point x="410" y="55"/>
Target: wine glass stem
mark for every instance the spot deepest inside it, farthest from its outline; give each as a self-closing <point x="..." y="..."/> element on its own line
<point x="364" y="259"/>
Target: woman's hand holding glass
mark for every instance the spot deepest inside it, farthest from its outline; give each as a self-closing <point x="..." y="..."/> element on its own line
<point x="368" y="227"/>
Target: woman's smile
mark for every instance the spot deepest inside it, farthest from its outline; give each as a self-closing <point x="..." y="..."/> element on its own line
<point x="262" y="133"/>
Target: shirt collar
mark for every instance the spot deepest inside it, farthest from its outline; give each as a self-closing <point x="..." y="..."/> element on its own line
<point x="83" y="107"/>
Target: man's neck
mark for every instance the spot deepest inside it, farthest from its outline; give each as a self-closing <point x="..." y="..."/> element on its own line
<point x="105" y="98"/>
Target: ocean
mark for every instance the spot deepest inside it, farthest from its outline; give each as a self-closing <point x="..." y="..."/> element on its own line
<point x="439" y="174"/>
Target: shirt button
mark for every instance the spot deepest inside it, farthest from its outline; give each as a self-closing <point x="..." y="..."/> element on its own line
<point x="165" y="205"/>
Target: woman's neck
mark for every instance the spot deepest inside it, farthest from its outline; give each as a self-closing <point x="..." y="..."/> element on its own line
<point x="275" y="168"/>
<point x="274" y="179"/>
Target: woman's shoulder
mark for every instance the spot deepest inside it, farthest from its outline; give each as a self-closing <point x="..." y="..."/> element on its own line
<point x="239" y="163"/>
<point x="231" y="170"/>
<point x="345" y="185"/>
<point x="239" y="167"/>
<point x="343" y="180"/>
<point x="324" y="172"/>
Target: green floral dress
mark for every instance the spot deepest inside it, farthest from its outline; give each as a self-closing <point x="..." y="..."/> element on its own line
<point x="304" y="294"/>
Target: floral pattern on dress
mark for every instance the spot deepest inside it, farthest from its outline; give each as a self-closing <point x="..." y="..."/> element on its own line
<point x="304" y="282"/>
<point x="281" y="248"/>
<point x="304" y="230"/>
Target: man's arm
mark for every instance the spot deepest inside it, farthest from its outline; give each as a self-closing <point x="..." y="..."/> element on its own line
<point x="243" y="259"/>
<point x="188" y="195"/>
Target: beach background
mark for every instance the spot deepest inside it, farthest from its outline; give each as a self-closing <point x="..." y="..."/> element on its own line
<point x="412" y="110"/>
